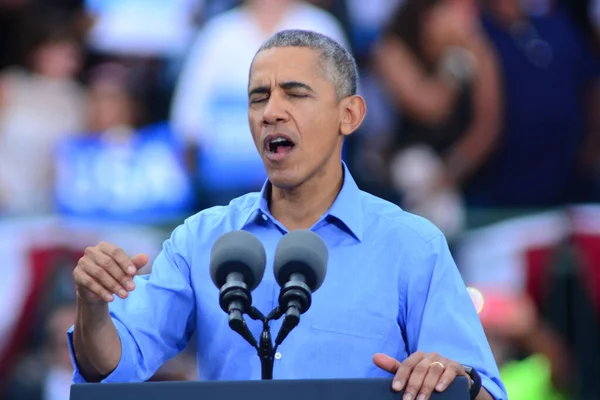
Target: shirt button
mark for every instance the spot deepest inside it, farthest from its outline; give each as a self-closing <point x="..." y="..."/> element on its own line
<point x="278" y="356"/>
<point x="264" y="217"/>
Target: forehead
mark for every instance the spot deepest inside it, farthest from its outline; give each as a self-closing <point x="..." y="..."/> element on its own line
<point x="286" y="63"/>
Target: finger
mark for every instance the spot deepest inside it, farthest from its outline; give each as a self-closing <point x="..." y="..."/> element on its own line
<point x="406" y="368"/>
<point x="108" y="264"/>
<point x="103" y="278"/>
<point x="393" y="366"/>
<point x="85" y="280"/>
<point x="416" y="379"/>
<point x="139" y="260"/>
<point x="432" y="377"/>
<point x="119" y="256"/>
<point x="386" y="362"/>
<point x="450" y="372"/>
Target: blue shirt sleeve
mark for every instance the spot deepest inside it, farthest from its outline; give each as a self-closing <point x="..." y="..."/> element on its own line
<point x="157" y="320"/>
<point x="440" y="316"/>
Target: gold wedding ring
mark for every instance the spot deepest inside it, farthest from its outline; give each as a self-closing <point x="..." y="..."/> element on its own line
<point x="437" y="363"/>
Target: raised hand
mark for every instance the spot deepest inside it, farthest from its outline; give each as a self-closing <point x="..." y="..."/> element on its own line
<point x="104" y="271"/>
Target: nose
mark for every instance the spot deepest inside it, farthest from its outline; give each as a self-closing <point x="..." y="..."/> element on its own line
<point x="275" y="111"/>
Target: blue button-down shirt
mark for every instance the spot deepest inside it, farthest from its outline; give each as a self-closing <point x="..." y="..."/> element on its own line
<point x="391" y="287"/>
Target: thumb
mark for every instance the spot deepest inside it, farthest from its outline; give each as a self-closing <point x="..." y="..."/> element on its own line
<point x="139" y="260"/>
<point x="386" y="362"/>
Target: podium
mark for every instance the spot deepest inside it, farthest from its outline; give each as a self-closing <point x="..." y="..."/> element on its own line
<point x="309" y="389"/>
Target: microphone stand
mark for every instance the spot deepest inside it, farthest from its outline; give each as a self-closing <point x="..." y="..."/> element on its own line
<point x="235" y="299"/>
<point x="266" y="351"/>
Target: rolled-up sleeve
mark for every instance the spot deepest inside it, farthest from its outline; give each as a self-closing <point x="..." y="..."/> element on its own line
<point x="157" y="320"/>
<point x="440" y="316"/>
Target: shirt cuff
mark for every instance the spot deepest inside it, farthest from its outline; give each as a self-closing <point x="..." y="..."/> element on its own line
<point x="493" y="388"/>
<point x="126" y="369"/>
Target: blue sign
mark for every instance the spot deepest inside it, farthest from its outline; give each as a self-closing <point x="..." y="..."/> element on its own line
<point x="141" y="178"/>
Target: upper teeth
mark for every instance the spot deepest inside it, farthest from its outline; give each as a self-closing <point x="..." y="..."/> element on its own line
<point x="278" y="140"/>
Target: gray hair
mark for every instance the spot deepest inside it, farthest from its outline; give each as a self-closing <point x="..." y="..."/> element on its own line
<point x="338" y="64"/>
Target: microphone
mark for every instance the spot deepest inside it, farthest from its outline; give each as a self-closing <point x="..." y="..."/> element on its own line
<point x="300" y="266"/>
<point x="237" y="265"/>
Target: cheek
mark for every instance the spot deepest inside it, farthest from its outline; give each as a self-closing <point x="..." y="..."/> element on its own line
<point x="319" y="134"/>
<point x="255" y="125"/>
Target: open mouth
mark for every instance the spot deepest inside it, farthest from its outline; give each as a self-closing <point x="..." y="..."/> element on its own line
<point x="278" y="145"/>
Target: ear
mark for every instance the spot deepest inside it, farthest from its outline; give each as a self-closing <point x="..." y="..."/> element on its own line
<point x="353" y="110"/>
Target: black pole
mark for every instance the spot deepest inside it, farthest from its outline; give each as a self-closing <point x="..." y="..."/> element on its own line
<point x="265" y="348"/>
<point x="266" y="353"/>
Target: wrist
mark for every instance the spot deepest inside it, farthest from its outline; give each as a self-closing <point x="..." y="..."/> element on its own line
<point x="458" y="166"/>
<point x="91" y="312"/>
<point x="474" y="381"/>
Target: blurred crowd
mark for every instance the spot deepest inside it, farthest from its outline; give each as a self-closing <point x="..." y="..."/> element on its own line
<point x="120" y="118"/>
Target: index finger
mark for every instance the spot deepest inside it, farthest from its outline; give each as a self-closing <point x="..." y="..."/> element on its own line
<point x="119" y="256"/>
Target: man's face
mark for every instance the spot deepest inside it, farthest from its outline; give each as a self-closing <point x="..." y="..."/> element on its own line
<point x="294" y="115"/>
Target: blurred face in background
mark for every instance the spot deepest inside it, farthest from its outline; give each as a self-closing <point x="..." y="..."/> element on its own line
<point x="60" y="59"/>
<point x="111" y="106"/>
<point x="290" y="97"/>
<point x="448" y="23"/>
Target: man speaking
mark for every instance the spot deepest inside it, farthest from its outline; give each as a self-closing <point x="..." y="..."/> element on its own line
<point x="393" y="300"/>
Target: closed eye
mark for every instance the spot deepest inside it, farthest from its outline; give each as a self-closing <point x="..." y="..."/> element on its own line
<point x="256" y="101"/>
<point x="297" y="95"/>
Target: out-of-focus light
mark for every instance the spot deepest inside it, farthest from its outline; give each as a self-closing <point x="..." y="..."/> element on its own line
<point x="477" y="298"/>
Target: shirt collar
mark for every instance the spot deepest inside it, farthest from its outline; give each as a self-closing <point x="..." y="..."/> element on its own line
<point x="346" y="208"/>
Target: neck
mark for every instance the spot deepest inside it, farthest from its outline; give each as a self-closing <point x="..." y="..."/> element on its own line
<point x="301" y="207"/>
<point x="269" y="13"/>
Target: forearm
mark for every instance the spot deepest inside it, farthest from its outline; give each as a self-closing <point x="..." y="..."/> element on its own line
<point x="469" y="154"/>
<point x="424" y="97"/>
<point x="96" y="342"/>
<point x="481" y="137"/>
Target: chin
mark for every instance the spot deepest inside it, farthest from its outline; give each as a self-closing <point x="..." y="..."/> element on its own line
<point x="284" y="178"/>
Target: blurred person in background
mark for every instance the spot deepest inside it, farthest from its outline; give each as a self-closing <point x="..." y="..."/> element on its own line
<point x="209" y="108"/>
<point x="548" y="154"/>
<point x="47" y="375"/>
<point x="153" y="36"/>
<point x="533" y="361"/>
<point x="142" y="28"/>
<point x="39" y="105"/>
<point x="443" y="76"/>
<point x="546" y="160"/>
<point x="119" y="153"/>
<point x="114" y="107"/>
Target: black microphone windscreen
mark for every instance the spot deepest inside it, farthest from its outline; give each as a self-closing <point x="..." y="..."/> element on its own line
<point x="301" y="251"/>
<point x="238" y="251"/>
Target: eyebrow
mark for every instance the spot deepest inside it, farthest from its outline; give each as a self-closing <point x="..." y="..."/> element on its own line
<point x="284" y="85"/>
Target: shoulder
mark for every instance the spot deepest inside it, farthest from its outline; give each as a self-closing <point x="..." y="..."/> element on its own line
<point x="225" y="19"/>
<point x="307" y="10"/>
<point x="389" y="220"/>
<point x="12" y="78"/>
<point x="219" y="30"/>
<point x="226" y="26"/>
